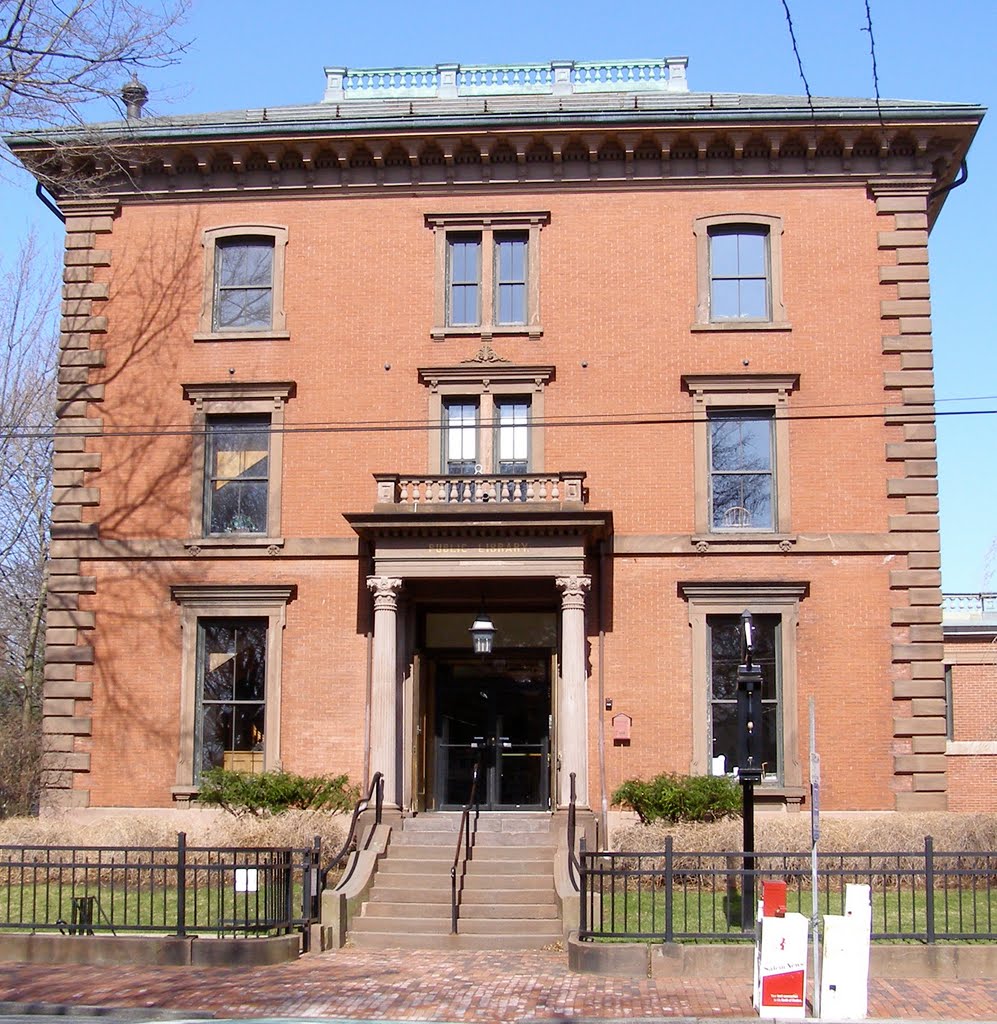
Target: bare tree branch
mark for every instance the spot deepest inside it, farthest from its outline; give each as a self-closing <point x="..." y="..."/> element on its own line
<point x="56" y="59"/>
<point x="27" y="407"/>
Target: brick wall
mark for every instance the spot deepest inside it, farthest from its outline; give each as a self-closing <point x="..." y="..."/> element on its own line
<point x="618" y="298"/>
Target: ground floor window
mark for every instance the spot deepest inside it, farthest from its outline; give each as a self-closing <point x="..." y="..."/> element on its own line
<point x="231" y="704"/>
<point x="725" y="655"/>
<point x="230" y="679"/>
<point x="714" y="617"/>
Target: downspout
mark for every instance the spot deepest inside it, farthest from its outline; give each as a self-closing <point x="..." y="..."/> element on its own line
<point x="366" y="715"/>
<point x="601" y="604"/>
<point x="961" y="179"/>
<point x="369" y="682"/>
<point x="40" y="192"/>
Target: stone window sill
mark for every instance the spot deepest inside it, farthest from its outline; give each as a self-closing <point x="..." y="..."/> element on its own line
<point x="195" y="545"/>
<point x="768" y="541"/>
<point x="742" y="325"/>
<point x="477" y="331"/>
<point x="791" y="796"/>
<point x="242" y="335"/>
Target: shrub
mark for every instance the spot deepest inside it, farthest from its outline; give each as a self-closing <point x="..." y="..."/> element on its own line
<point x="266" y="793"/>
<point x="673" y="798"/>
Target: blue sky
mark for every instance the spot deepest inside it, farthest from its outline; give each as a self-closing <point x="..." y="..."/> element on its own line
<point x="261" y="53"/>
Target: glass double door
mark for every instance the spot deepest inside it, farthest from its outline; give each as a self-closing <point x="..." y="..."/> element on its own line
<point x="493" y="713"/>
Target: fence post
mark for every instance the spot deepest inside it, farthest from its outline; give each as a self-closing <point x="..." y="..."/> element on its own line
<point x="583" y="878"/>
<point x="181" y="885"/>
<point x="669" y="894"/>
<point x="929" y="886"/>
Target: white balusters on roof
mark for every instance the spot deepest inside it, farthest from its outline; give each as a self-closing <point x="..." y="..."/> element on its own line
<point x="559" y="77"/>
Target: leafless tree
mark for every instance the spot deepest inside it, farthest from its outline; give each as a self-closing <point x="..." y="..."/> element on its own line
<point x="27" y="402"/>
<point x="57" y="58"/>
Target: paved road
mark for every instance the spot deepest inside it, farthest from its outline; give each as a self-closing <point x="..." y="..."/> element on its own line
<point x="491" y="988"/>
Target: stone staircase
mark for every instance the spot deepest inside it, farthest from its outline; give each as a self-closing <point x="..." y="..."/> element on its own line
<point x="508" y="902"/>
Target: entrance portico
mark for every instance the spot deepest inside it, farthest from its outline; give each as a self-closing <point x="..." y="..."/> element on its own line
<point x="525" y="562"/>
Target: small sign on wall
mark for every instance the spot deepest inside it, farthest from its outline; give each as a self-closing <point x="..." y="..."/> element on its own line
<point x="621" y="729"/>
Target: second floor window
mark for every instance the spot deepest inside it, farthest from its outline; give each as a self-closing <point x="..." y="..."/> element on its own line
<point x="237" y="474"/>
<point x="460" y="438"/>
<point x="468" y="450"/>
<point x="741" y="476"/>
<point x="512" y="436"/>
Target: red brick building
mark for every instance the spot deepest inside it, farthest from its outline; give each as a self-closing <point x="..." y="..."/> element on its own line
<point x="970" y="623"/>
<point x="602" y="358"/>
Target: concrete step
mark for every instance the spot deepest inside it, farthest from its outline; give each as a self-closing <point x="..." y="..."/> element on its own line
<point x="547" y="931"/>
<point x="502" y="868"/>
<point x="413" y="866"/>
<point x="386" y="925"/>
<point x="510" y="822"/>
<point x="488" y="897"/>
<point x="405" y="851"/>
<point x="545" y="911"/>
<point x="413" y="883"/>
<point x="482" y="854"/>
<point x="427" y="911"/>
<point x="478" y="883"/>
<point x="542" y="931"/>
<point x="507" y="895"/>
<point x="455" y="943"/>
<point x="448" y="840"/>
<point x="410" y="894"/>
<point x="514" y="912"/>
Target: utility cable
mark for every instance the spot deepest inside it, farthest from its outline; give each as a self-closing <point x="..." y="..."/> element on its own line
<point x="872" y="51"/>
<point x="911" y="415"/>
<point x="799" y="61"/>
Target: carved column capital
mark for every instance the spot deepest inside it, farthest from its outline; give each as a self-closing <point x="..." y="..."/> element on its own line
<point x="385" y="590"/>
<point x="573" y="590"/>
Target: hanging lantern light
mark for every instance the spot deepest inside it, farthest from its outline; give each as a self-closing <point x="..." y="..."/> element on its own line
<point x="482" y="633"/>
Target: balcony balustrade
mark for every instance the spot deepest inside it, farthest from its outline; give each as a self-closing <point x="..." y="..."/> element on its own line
<point x="551" y="490"/>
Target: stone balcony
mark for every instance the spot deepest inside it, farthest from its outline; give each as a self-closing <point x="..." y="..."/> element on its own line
<point x="538" y="491"/>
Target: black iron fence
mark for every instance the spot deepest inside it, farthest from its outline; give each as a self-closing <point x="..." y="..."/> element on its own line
<point x="169" y="890"/>
<point x="925" y="896"/>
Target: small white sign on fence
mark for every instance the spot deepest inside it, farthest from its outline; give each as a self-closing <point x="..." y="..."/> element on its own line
<point x="247" y="879"/>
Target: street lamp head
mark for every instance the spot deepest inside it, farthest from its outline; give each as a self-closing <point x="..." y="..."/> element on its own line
<point x="747" y="637"/>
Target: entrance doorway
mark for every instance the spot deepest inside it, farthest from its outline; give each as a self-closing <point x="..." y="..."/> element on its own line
<point x="494" y="713"/>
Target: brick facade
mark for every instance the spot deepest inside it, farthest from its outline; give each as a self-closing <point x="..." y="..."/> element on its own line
<point x="618" y="348"/>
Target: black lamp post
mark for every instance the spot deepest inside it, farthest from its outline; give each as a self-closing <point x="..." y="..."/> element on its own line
<point x="749" y="757"/>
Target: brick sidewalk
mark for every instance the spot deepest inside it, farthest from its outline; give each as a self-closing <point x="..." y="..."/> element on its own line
<point x="406" y="985"/>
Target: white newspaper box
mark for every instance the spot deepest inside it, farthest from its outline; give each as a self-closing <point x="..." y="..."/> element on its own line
<point x="781" y="967"/>
<point x="844" y="990"/>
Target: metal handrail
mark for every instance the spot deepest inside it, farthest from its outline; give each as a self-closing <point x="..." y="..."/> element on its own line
<point x="574" y="868"/>
<point x="463" y="839"/>
<point x="375" y="793"/>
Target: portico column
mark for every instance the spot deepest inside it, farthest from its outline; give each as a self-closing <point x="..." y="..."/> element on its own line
<point x="572" y="702"/>
<point x="384" y="685"/>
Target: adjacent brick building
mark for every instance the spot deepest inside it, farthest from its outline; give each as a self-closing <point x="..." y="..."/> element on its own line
<point x="571" y="348"/>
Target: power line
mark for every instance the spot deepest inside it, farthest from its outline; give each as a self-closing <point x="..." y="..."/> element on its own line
<point x="800" y="411"/>
<point x="551" y="423"/>
<point x="799" y="61"/>
<point x="872" y="51"/>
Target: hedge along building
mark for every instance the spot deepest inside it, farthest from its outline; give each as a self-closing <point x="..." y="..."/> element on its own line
<point x="570" y="345"/>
